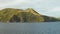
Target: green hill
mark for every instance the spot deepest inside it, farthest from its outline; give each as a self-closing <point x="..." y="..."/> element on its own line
<point x="28" y="15"/>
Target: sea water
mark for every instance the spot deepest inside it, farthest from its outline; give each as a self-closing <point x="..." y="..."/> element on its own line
<point x="30" y="28"/>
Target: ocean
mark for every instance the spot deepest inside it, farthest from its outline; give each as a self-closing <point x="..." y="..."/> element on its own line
<point x="30" y="28"/>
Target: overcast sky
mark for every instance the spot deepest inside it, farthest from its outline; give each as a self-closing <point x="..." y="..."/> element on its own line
<point x="45" y="7"/>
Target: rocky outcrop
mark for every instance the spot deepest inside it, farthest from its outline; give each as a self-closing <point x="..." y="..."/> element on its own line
<point x="19" y="15"/>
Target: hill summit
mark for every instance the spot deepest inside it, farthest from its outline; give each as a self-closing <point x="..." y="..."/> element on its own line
<point x="28" y="15"/>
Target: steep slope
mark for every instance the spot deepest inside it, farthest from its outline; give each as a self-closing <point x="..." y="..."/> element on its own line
<point x="7" y="14"/>
<point x="28" y="15"/>
<point x="19" y="15"/>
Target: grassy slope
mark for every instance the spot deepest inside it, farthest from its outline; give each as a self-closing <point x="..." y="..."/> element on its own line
<point x="28" y="15"/>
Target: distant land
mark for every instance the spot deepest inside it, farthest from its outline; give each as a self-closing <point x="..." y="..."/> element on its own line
<point x="28" y="15"/>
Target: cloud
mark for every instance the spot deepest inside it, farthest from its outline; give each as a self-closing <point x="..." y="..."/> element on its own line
<point x="47" y="7"/>
<point x="11" y="2"/>
<point x="56" y="9"/>
<point x="55" y="12"/>
<point x="23" y="4"/>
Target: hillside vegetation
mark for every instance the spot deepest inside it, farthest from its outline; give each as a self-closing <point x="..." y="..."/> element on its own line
<point x="28" y="15"/>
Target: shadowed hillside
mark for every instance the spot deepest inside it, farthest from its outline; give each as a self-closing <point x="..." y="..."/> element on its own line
<point x="19" y="15"/>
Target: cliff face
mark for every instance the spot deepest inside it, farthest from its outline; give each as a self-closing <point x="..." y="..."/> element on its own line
<point x="19" y="15"/>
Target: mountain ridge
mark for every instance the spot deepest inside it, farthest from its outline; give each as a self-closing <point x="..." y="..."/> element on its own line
<point x="28" y="15"/>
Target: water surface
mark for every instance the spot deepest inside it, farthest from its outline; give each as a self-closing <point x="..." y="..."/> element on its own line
<point x="30" y="28"/>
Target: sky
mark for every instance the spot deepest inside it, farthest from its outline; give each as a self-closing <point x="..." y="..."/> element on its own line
<point x="44" y="7"/>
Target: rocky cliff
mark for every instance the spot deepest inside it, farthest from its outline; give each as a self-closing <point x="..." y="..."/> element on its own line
<point x="28" y="15"/>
